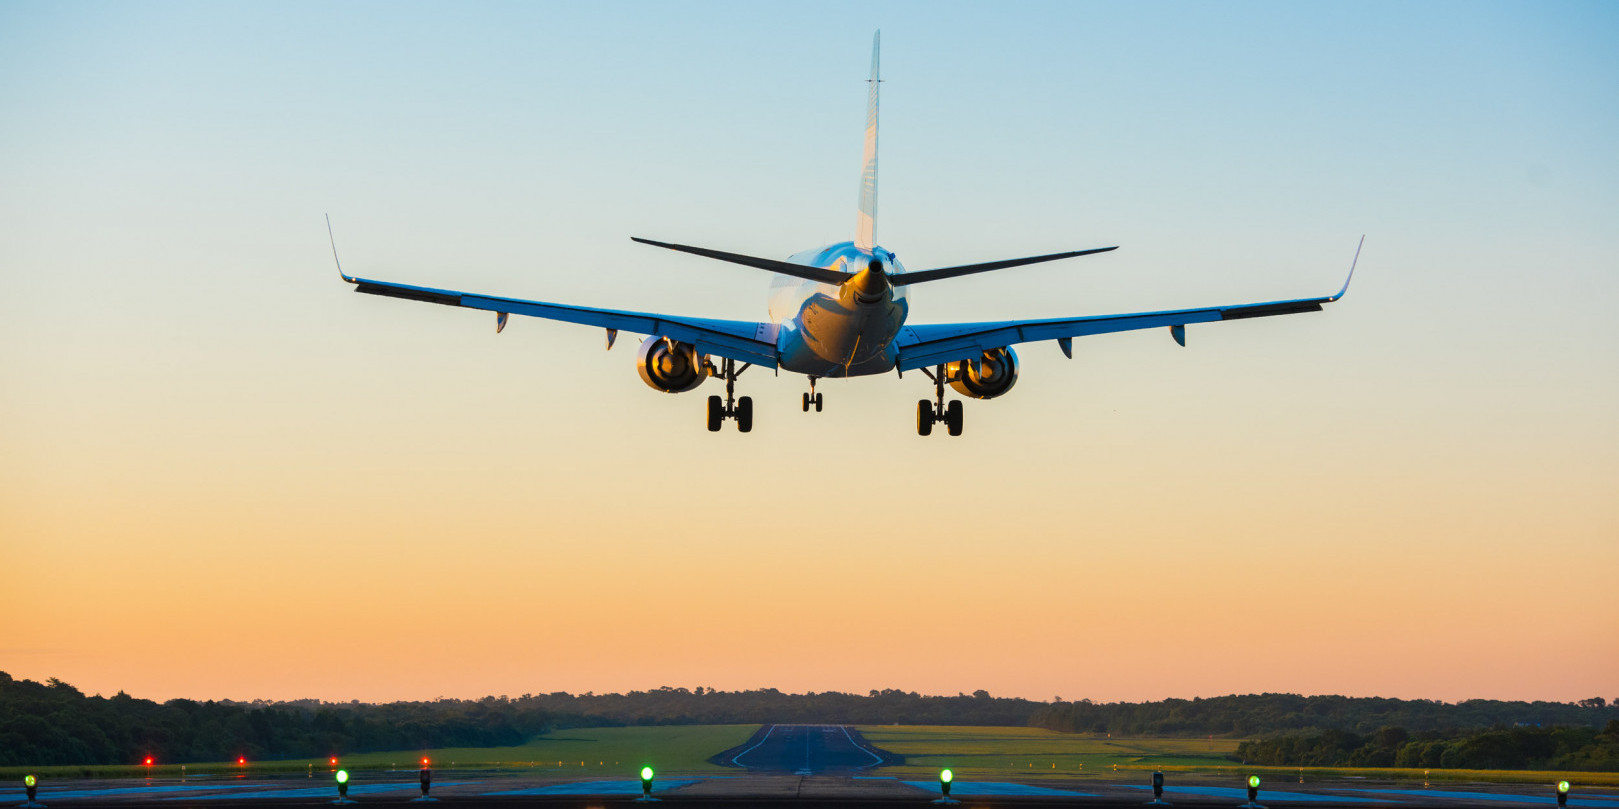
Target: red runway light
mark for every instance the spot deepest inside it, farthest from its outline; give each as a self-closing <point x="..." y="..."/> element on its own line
<point x="148" y="761"/>
<point x="240" y="760"/>
<point x="334" y="761"/>
<point x="424" y="761"/>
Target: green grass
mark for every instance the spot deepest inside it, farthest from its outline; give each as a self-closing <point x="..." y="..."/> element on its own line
<point x="583" y="752"/>
<point x="979" y="752"/>
<point x="1025" y="753"/>
<point x="1001" y="754"/>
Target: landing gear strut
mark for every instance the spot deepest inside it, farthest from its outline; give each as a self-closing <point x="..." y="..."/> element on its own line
<point x="927" y="413"/>
<point x="740" y="409"/>
<point x="812" y="398"/>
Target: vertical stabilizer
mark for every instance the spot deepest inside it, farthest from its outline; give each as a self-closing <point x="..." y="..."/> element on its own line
<point x="865" y="234"/>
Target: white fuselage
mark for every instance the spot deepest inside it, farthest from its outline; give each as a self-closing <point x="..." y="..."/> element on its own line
<point x="830" y="331"/>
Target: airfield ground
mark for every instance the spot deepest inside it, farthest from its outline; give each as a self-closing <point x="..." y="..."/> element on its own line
<point x="808" y="767"/>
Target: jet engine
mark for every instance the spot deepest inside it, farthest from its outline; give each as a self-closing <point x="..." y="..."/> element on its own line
<point x="990" y="376"/>
<point x="670" y="366"/>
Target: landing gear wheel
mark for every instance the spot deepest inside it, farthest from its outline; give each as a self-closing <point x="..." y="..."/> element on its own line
<point x="806" y="402"/>
<point x="817" y="402"/>
<point x="924" y="417"/>
<point x="716" y="413"/>
<point x="952" y="417"/>
<point x="744" y="414"/>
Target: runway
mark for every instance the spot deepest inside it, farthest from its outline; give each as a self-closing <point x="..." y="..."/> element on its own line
<point x="806" y="750"/>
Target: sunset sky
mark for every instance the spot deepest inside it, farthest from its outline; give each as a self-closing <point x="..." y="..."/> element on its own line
<point x="225" y="475"/>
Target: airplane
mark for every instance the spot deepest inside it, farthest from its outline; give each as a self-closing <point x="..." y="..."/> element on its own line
<point x="840" y="311"/>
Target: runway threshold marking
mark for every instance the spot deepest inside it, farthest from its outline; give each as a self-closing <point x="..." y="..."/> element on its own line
<point x="595" y="788"/>
<point x="992" y="788"/>
<point x="1588" y="801"/>
<point x="1240" y="794"/>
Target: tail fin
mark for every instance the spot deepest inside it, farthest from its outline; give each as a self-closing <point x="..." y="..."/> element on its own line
<point x="865" y="234"/>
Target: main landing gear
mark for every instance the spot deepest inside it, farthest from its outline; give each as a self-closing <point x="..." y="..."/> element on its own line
<point x="812" y="398"/>
<point x="927" y="413"/>
<point x="740" y="409"/>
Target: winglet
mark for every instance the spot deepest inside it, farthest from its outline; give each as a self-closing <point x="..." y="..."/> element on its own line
<point x="1352" y="264"/>
<point x="333" y="239"/>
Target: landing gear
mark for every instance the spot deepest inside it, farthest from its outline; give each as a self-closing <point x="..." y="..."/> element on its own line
<point x="716" y="413"/>
<point x="739" y="408"/>
<point x="812" y="398"/>
<point x="929" y="412"/>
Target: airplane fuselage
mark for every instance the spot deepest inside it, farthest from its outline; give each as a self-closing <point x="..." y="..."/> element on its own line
<point x="838" y="331"/>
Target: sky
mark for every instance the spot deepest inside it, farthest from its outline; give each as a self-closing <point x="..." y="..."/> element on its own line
<point x="225" y="475"/>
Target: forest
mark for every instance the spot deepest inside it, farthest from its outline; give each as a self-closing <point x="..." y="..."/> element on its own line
<point x="1252" y="715"/>
<point x="1500" y="748"/>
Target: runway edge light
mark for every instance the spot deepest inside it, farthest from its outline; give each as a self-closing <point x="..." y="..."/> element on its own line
<point x="31" y="785"/>
<point x="1562" y="793"/>
<point x="1158" y="790"/>
<point x="342" y="787"/>
<point x="1253" y="794"/>
<point x="946" y="778"/>
<point x="427" y="783"/>
<point x="646" y="786"/>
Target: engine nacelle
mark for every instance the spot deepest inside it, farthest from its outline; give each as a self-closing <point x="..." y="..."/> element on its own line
<point x="669" y="366"/>
<point x="991" y="376"/>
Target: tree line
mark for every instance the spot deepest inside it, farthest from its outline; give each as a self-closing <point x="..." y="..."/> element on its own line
<point x="53" y="723"/>
<point x="1499" y="748"/>
<point x="1278" y="714"/>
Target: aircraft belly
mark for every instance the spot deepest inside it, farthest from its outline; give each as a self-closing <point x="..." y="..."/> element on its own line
<point x="830" y="339"/>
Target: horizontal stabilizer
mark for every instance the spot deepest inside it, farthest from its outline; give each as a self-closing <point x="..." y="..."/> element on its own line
<point x="804" y="271"/>
<point x="836" y="278"/>
<point x="923" y="276"/>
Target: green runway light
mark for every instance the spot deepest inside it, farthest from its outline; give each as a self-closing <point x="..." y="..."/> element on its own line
<point x="946" y="776"/>
<point x="1562" y="786"/>
<point x="342" y="776"/>
<point x="1253" y="782"/>
<point x="29" y="780"/>
<point x="646" y="773"/>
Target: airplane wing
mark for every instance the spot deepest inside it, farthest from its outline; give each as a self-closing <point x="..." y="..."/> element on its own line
<point x="925" y="345"/>
<point x="740" y="340"/>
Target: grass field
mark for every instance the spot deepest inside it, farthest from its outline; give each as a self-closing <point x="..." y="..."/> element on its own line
<point x="979" y="752"/>
<point x="586" y="752"/>
<point x="987" y="754"/>
<point x="1025" y="753"/>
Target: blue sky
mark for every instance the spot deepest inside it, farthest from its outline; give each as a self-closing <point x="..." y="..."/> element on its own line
<point x="185" y="374"/>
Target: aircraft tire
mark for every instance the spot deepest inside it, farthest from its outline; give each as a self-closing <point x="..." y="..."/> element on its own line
<point x="806" y="403"/>
<point x="952" y="417"/>
<point x="744" y="414"/>
<point x="924" y="417"/>
<point x="716" y="413"/>
<point x="817" y="402"/>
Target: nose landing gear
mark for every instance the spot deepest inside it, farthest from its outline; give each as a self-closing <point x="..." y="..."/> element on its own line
<point x="812" y="398"/>
<point x="731" y="406"/>
<point x="928" y="413"/>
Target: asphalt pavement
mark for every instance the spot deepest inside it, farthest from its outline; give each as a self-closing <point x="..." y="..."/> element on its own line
<point x="806" y="750"/>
